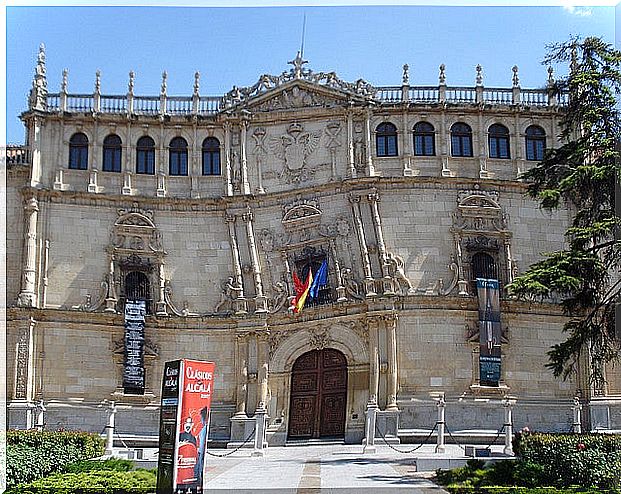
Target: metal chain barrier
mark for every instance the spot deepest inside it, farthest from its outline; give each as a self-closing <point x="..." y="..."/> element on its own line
<point x="435" y="426"/>
<point x="453" y="438"/>
<point x="235" y="449"/>
<point x="497" y="436"/>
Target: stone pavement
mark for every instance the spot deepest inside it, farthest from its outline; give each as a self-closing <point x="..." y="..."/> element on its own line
<point x="332" y="468"/>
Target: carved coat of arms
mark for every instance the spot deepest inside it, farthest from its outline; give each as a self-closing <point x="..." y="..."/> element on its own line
<point x="293" y="148"/>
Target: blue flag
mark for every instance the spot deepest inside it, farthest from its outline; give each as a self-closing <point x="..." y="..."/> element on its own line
<point x="320" y="279"/>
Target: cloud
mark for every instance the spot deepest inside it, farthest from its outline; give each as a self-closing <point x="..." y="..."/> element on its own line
<point x="575" y="10"/>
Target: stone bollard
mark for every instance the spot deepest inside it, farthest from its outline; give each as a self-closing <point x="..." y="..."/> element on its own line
<point x="110" y="428"/>
<point x="508" y="403"/>
<point x="260" y="432"/>
<point x="40" y="408"/>
<point x="371" y="419"/>
<point x="440" y="448"/>
<point x="577" y="408"/>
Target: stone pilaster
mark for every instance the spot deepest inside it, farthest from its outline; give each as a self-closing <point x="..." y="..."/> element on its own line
<point x="350" y="145"/>
<point x="390" y="322"/>
<point x="374" y="365"/>
<point x="263" y="360"/>
<point x="228" y="172"/>
<point x="28" y="294"/>
<point x="367" y="138"/>
<point x="241" y="371"/>
<point x="245" y="185"/>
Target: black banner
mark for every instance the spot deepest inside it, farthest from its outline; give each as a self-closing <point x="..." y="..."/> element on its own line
<point x="490" y="332"/>
<point x="133" y="371"/>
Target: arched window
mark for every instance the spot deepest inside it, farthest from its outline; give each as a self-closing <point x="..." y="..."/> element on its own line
<point x="386" y="139"/>
<point x="112" y="153"/>
<point x="498" y="139"/>
<point x="484" y="266"/>
<point x="78" y="151"/>
<point x="535" y="143"/>
<point x="211" y="156"/>
<point x="145" y="156"/>
<point x="461" y="140"/>
<point x="178" y="157"/>
<point x="424" y="139"/>
<point x="138" y="287"/>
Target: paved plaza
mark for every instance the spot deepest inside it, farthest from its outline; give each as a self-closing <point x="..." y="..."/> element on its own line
<point x="333" y="468"/>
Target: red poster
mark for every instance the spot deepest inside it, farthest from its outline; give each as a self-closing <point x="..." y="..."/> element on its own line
<point x="196" y="389"/>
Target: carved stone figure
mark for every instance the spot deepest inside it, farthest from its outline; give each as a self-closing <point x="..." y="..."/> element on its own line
<point x="280" y="297"/>
<point x="396" y="270"/>
<point x="230" y="292"/>
<point x="352" y="287"/>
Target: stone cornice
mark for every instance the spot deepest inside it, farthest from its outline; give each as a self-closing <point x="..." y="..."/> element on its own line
<point x="405" y="306"/>
<point x="273" y="198"/>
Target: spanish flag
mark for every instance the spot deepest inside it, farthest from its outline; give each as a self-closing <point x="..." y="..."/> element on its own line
<point x="301" y="291"/>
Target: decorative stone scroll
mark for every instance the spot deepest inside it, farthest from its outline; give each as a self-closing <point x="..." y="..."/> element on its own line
<point x="267" y="82"/>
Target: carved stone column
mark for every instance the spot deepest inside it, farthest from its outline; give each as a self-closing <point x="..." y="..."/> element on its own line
<point x="340" y="289"/>
<point x="35" y="151"/>
<point x="387" y="282"/>
<point x="374" y="365"/>
<point x="111" y="297"/>
<point x="263" y="354"/>
<point x="461" y="282"/>
<point x="509" y="261"/>
<point x="245" y="185"/>
<point x="391" y="336"/>
<point x="260" y="299"/>
<point x="160" y="305"/>
<point x="28" y="295"/>
<point x="350" y="145"/>
<point x="240" y="305"/>
<point x="367" y="138"/>
<point x="369" y="283"/>
<point x="227" y="159"/>
<point x="241" y="365"/>
<point x="285" y="260"/>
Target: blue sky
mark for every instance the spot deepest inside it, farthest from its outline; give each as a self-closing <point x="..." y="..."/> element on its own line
<point x="235" y="45"/>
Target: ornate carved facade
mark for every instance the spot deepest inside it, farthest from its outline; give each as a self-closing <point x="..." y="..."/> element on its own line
<point x="209" y="205"/>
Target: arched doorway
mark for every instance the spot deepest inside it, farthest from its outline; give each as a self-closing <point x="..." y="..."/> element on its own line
<point x="318" y="395"/>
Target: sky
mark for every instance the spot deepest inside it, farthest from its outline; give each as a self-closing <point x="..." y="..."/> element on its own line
<point x="235" y="45"/>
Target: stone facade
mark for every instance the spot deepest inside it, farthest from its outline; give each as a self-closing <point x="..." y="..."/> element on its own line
<point x="302" y="171"/>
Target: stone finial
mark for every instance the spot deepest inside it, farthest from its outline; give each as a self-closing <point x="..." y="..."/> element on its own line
<point x="550" y="76"/>
<point x="164" y="77"/>
<point x="406" y="74"/>
<point x="98" y="81"/>
<point x="197" y="77"/>
<point x="442" y="76"/>
<point x="479" y="78"/>
<point x="38" y="93"/>
<point x="516" y="79"/>
<point x="63" y="86"/>
<point x="130" y="85"/>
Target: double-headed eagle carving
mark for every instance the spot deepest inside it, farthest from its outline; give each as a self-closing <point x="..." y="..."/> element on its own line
<point x="295" y="146"/>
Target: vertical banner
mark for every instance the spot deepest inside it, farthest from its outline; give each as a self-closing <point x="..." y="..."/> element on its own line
<point x="186" y="395"/>
<point x="133" y="370"/>
<point x="488" y="292"/>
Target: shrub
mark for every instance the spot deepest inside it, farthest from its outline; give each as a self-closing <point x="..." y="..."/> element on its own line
<point x="114" y="464"/>
<point x="93" y="482"/>
<point x="587" y="460"/>
<point x="32" y="455"/>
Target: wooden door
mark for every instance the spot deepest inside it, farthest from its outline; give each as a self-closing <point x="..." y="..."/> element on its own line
<point x="318" y="395"/>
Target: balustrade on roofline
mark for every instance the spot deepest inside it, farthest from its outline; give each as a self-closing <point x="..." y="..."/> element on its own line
<point x="17" y="154"/>
<point x="210" y="105"/>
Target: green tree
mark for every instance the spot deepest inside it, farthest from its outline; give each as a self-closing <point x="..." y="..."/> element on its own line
<point x="582" y="175"/>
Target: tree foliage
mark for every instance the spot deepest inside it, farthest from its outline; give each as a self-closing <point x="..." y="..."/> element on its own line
<point x="582" y="175"/>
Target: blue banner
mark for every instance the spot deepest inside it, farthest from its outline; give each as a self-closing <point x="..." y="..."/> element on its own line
<point x="490" y="332"/>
